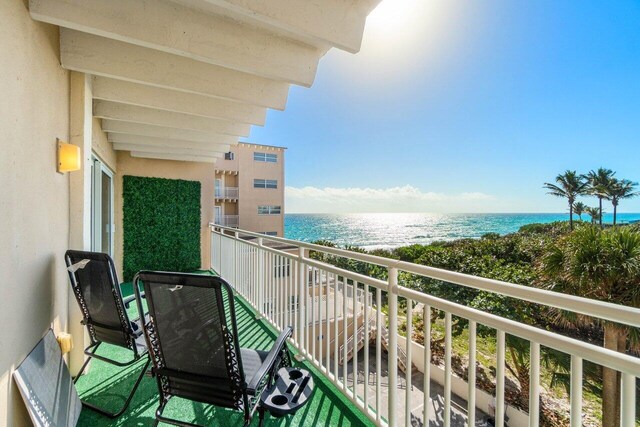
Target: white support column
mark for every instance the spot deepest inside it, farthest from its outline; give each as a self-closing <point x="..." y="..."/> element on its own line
<point x="80" y="130"/>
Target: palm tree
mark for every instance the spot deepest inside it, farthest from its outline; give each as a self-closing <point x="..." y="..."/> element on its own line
<point x="620" y="189"/>
<point x="603" y="265"/>
<point x="579" y="209"/>
<point x="599" y="183"/>
<point x="568" y="185"/>
<point x="593" y="212"/>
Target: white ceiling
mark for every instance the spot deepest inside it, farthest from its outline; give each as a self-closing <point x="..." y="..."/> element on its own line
<point x="184" y="79"/>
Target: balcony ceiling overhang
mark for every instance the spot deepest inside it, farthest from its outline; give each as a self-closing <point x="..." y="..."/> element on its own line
<point x="170" y="74"/>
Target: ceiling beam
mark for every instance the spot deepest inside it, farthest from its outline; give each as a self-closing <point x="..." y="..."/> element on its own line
<point x="336" y="23"/>
<point x="105" y="57"/>
<point x="181" y="30"/>
<point x="150" y="116"/>
<point x="167" y="150"/>
<point x="174" y="157"/>
<point x="165" y="142"/>
<point x="139" y="129"/>
<point x="176" y="101"/>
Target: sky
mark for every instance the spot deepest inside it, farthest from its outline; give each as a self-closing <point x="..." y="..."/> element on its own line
<point x="465" y="106"/>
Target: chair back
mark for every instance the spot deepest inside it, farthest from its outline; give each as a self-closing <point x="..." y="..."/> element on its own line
<point x="95" y="285"/>
<point x="192" y="337"/>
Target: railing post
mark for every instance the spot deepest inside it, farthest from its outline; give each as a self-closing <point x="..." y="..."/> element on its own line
<point x="628" y="402"/>
<point x="393" y="343"/>
<point x="576" y="391"/>
<point x="213" y="252"/>
<point x="500" y="378"/>
<point x="261" y="281"/>
<point x="220" y="252"/>
<point x="236" y="261"/>
<point x="302" y="297"/>
<point x="534" y="385"/>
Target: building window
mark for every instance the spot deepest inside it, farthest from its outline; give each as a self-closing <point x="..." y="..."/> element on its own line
<point x="265" y="157"/>
<point x="270" y="233"/>
<point x="265" y="183"/>
<point x="269" y="210"/>
<point x="229" y="155"/>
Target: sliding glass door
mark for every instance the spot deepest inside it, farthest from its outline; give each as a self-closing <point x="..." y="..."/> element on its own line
<point x="102" y="222"/>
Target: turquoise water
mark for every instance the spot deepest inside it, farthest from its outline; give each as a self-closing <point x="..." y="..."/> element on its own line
<point x="390" y="230"/>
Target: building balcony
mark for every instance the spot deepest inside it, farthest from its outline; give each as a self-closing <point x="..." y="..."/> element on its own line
<point x="352" y="329"/>
<point x="226" y="194"/>
<point x="231" y="221"/>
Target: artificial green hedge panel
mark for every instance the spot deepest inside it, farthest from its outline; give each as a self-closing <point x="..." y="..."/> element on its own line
<point x="161" y="222"/>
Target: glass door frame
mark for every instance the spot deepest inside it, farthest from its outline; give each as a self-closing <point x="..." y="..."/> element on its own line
<point x="97" y="169"/>
<point x="217" y="217"/>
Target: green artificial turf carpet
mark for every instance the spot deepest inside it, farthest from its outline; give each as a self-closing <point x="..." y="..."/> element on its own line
<point x="107" y="386"/>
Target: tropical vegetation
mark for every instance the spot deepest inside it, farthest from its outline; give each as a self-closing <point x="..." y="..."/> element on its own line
<point x="590" y="262"/>
<point x="600" y="183"/>
<point x="603" y="265"/>
<point x="568" y="185"/>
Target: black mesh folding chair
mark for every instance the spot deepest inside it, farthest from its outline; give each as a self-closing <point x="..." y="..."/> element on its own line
<point x="193" y="341"/>
<point x="95" y="285"/>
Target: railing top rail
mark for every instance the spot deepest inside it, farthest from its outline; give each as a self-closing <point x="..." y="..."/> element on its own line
<point x="603" y="310"/>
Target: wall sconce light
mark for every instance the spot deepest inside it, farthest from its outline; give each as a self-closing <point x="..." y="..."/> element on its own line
<point x="69" y="158"/>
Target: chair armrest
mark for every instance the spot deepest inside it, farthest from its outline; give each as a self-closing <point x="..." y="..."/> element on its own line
<point x="128" y="300"/>
<point x="268" y="365"/>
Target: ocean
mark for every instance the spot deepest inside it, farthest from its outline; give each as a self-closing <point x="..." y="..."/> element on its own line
<point x="391" y="230"/>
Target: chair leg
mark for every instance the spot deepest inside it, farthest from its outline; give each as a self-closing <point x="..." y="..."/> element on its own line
<point x="129" y="398"/>
<point x="260" y="416"/>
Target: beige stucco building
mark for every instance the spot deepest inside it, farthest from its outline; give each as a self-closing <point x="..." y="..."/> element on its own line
<point x="249" y="189"/>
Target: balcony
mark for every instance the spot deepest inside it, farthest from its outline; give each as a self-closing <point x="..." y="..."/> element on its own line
<point x="230" y="221"/>
<point x="108" y="386"/>
<point x="349" y="327"/>
<point x="226" y="194"/>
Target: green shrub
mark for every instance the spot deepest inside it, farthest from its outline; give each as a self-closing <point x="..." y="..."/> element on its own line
<point x="161" y="225"/>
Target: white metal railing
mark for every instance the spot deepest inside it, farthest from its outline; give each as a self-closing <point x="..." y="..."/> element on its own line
<point x="226" y="193"/>
<point x="288" y="296"/>
<point x="227" y="221"/>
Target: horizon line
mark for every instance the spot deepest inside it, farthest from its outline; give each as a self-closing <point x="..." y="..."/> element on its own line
<point x="454" y="213"/>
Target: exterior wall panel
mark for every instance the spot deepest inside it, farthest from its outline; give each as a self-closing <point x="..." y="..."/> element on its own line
<point x="34" y="201"/>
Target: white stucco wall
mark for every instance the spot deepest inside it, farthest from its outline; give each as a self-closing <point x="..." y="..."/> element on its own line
<point x="34" y="198"/>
